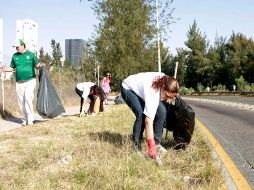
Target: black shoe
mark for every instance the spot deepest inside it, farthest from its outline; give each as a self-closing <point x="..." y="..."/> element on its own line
<point x="138" y="150"/>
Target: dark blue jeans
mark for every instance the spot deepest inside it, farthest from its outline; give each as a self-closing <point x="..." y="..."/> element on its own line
<point x="136" y="104"/>
<point x="79" y="92"/>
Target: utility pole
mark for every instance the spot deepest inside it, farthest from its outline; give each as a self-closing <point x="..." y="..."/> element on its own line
<point x="158" y="36"/>
<point x="2" y="78"/>
<point x="176" y="66"/>
<point x="98" y="76"/>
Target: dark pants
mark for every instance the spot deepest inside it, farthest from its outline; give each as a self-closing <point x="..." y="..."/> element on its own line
<point x="92" y="102"/>
<point x="92" y="99"/>
<point x="79" y="92"/>
<point x="137" y="104"/>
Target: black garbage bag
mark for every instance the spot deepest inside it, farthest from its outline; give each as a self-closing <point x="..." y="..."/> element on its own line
<point x="48" y="103"/>
<point x="181" y="120"/>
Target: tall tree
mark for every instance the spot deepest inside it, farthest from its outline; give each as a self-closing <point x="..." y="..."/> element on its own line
<point x="44" y="57"/>
<point x="239" y="52"/>
<point x="197" y="61"/>
<point x="56" y="53"/>
<point x="88" y="62"/>
<point x="182" y="59"/>
<point x="217" y="74"/>
<point x="126" y="40"/>
<point x="123" y="45"/>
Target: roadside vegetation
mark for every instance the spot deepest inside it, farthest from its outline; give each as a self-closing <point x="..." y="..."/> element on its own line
<point x="95" y="153"/>
<point x="63" y="81"/>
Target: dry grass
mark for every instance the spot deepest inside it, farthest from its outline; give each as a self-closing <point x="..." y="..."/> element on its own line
<point x="95" y="153"/>
<point x="66" y="92"/>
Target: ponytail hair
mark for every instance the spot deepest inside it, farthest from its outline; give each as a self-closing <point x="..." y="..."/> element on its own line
<point x="166" y="83"/>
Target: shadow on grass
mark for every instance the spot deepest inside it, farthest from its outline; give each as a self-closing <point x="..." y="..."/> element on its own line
<point x="114" y="138"/>
<point x="170" y="143"/>
<point x="5" y="113"/>
<point x="8" y="116"/>
<point x="75" y="115"/>
<point x="39" y="121"/>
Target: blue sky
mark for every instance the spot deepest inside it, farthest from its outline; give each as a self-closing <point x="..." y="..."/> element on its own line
<point x="66" y="19"/>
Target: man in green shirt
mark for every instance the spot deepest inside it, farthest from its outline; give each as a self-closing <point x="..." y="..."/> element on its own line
<point x="23" y="63"/>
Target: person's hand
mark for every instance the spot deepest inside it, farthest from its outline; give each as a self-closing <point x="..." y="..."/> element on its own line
<point x="151" y="148"/>
<point x="152" y="152"/>
<point x="42" y="64"/>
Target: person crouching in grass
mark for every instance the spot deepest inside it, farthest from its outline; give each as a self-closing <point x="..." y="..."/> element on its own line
<point x="143" y="93"/>
<point x="97" y="98"/>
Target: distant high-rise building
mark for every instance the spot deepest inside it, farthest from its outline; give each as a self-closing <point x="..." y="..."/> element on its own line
<point x="74" y="51"/>
<point x="28" y="31"/>
<point x="1" y="41"/>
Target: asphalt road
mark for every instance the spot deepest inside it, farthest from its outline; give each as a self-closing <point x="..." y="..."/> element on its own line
<point x="233" y="128"/>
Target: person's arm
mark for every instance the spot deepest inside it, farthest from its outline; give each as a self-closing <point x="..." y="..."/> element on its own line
<point x="38" y="66"/>
<point x="149" y="128"/>
<point x="150" y="137"/>
<point x="36" y="62"/>
<point x="103" y="81"/>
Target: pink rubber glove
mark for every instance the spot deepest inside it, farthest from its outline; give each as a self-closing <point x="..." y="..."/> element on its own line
<point x="151" y="148"/>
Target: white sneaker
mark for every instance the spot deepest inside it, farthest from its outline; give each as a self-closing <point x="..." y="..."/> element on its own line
<point x="92" y="114"/>
<point x="23" y="123"/>
<point x="30" y="123"/>
<point x="161" y="148"/>
<point x="158" y="161"/>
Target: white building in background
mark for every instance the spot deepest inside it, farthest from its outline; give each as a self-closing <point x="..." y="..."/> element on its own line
<point x="28" y="31"/>
<point x="1" y="41"/>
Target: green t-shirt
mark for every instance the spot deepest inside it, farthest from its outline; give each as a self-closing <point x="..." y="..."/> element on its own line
<point x="24" y="64"/>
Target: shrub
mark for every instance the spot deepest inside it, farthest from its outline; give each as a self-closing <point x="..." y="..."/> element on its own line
<point x="200" y="87"/>
<point x="183" y="90"/>
<point x="220" y="87"/>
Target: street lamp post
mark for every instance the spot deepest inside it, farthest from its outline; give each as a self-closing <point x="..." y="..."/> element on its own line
<point x="97" y="72"/>
<point x="2" y="79"/>
<point x="98" y="76"/>
<point x="158" y="36"/>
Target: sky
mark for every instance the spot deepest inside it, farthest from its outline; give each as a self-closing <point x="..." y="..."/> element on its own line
<point x="72" y="19"/>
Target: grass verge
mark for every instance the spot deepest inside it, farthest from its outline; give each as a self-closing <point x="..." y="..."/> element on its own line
<point x="95" y="153"/>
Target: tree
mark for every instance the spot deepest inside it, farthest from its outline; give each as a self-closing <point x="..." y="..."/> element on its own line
<point x="182" y="59"/>
<point x="126" y="36"/>
<point x="197" y="61"/>
<point x="239" y="52"/>
<point x="44" y="57"/>
<point x="88" y="62"/>
<point x="123" y="45"/>
<point x="56" y="53"/>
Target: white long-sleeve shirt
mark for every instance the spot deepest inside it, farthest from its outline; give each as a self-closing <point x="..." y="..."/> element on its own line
<point x="141" y="84"/>
<point x="85" y="88"/>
